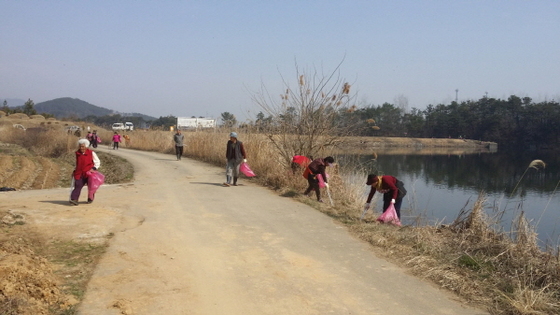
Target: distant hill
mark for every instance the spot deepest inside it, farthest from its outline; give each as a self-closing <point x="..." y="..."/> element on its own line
<point x="145" y="117"/>
<point x="66" y="107"/>
<point x="71" y="107"/>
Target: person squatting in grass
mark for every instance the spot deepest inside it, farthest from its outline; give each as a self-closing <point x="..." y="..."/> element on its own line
<point x="178" y="138"/>
<point x="86" y="160"/>
<point x="235" y="155"/>
<point x="392" y="189"/>
<point x="315" y="168"/>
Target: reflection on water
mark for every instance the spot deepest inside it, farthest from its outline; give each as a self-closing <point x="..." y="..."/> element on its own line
<point x="440" y="185"/>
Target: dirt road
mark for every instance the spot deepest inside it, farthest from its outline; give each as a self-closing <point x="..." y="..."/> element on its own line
<point x="183" y="244"/>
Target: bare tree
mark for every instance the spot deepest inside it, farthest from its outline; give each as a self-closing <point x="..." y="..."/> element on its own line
<point x="304" y="119"/>
<point x="401" y="102"/>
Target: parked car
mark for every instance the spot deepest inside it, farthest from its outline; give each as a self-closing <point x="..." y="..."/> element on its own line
<point x="126" y="126"/>
<point x="72" y="128"/>
<point x="19" y="126"/>
<point x="118" y="126"/>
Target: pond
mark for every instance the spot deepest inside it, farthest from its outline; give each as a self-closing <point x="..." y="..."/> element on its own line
<point x="440" y="185"/>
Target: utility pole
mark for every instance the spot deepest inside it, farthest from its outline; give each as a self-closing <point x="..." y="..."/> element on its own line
<point x="456" y="95"/>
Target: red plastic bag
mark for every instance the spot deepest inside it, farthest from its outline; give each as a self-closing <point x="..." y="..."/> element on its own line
<point x="390" y="216"/>
<point x="306" y="172"/>
<point x="245" y="169"/>
<point x="95" y="179"/>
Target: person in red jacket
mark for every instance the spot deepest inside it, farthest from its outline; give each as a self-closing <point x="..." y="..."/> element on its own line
<point x="392" y="189"/>
<point x="86" y="160"/>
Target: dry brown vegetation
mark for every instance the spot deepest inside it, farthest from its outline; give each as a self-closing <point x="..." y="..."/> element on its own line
<point x="42" y="276"/>
<point x="469" y="257"/>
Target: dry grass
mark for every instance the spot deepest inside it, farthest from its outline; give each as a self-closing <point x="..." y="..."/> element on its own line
<point x="42" y="157"/>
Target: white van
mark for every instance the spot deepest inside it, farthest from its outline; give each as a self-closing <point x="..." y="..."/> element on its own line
<point x="128" y="126"/>
<point x="118" y="126"/>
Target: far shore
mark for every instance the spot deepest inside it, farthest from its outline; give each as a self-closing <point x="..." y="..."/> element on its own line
<point x="405" y="145"/>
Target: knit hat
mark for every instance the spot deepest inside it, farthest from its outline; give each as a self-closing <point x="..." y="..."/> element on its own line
<point x="233" y="135"/>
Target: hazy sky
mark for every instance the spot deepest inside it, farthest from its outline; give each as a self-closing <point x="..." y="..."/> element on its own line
<point x="203" y="58"/>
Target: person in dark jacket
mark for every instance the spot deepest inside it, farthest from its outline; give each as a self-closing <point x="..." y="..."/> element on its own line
<point x="235" y="155"/>
<point x="86" y="160"/>
<point x="392" y="189"/>
<point x="178" y="138"/>
<point x="315" y="168"/>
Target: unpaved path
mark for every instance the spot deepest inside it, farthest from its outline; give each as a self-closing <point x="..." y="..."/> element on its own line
<point x="183" y="244"/>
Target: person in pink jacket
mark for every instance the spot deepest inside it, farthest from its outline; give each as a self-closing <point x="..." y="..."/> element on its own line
<point x="116" y="140"/>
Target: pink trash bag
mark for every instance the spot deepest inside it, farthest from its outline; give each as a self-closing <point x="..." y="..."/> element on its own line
<point x="321" y="180"/>
<point x="246" y="170"/>
<point x="95" y="179"/>
<point x="390" y="216"/>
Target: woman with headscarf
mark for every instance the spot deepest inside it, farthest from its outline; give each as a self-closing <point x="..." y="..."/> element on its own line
<point x="392" y="189"/>
<point x="86" y="161"/>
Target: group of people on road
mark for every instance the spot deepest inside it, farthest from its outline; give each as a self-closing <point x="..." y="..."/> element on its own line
<point x="93" y="138"/>
<point x="314" y="170"/>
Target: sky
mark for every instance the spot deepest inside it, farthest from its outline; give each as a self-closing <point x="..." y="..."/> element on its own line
<point x="206" y="57"/>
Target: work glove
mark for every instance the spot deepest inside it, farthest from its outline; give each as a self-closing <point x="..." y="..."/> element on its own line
<point x="244" y="160"/>
<point x="326" y="185"/>
<point x="366" y="206"/>
<point x="392" y="200"/>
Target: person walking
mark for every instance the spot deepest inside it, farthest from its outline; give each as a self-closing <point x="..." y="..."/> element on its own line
<point x="318" y="166"/>
<point x="88" y="137"/>
<point x="94" y="139"/>
<point x="178" y="138"/>
<point x="86" y="160"/>
<point x="126" y="140"/>
<point x="235" y="155"/>
<point x="393" y="191"/>
<point x="116" y="140"/>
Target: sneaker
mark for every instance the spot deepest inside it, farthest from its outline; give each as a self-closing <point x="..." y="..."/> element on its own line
<point x="226" y="185"/>
<point x="320" y="200"/>
<point x="74" y="202"/>
<point x="235" y="184"/>
<point x="89" y="200"/>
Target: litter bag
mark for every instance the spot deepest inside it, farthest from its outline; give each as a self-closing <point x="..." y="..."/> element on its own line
<point x="390" y="216"/>
<point x="245" y="169"/>
<point x="95" y="179"/>
<point x="321" y="180"/>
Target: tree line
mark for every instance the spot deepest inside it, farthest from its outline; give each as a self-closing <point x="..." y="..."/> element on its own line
<point x="512" y="123"/>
